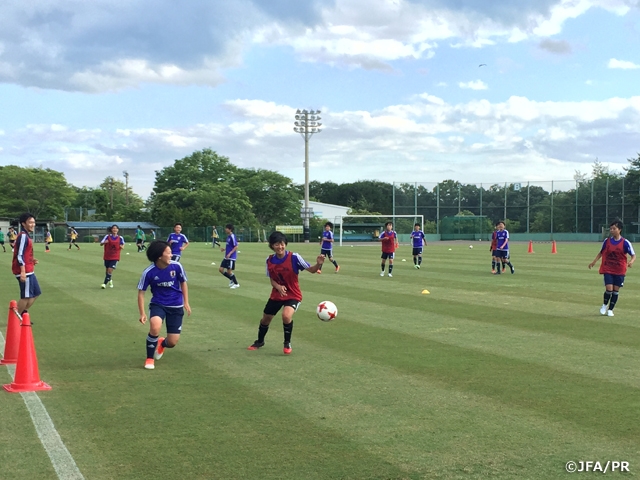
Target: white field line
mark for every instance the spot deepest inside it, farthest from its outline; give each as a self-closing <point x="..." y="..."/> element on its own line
<point x="62" y="461"/>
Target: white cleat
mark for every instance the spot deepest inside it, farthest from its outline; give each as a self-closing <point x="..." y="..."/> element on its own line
<point x="382" y="274"/>
<point x="610" y="313"/>
<point x="235" y="285"/>
<point x="390" y="275"/>
<point x="231" y="284"/>
<point x="603" y="310"/>
<point x="110" y="283"/>
<point x="103" y="286"/>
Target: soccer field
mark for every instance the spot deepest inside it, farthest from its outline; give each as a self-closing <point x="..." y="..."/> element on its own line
<point x="508" y="376"/>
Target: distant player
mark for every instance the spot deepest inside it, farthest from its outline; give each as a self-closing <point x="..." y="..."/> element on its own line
<point x="48" y="240"/>
<point x="23" y="264"/>
<point x="614" y="265"/>
<point x="140" y="238"/>
<point x="73" y="234"/>
<point x="2" y="241"/>
<point x="389" y="241"/>
<point x="169" y="300"/>
<point x="153" y="234"/>
<point x="113" y="244"/>
<point x="326" y="246"/>
<point x="13" y="235"/>
<point x="418" y="241"/>
<point x="493" y="248"/>
<point x="230" y="250"/>
<point x="502" y="247"/>
<point x="178" y="242"/>
<point x="215" y="238"/>
<point x="283" y="268"/>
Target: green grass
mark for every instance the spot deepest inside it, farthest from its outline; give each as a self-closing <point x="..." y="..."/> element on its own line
<point x="486" y="377"/>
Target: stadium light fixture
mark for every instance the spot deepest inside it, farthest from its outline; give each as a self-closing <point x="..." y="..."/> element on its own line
<point x="307" y="123"/>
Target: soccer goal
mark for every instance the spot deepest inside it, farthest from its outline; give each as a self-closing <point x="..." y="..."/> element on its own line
<point x="367" y="228"/>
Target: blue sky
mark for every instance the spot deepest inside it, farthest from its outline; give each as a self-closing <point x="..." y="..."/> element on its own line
<point x="96" y="88"/>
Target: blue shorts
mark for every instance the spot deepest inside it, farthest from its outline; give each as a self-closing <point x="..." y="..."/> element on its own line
<point x="417" y="251"/>
<point x="327" y="252"/>
<point x="171" y="315"/>
<point x="386" y="255"/>
<point x="501" y="253"/>
<point x="175" y="258"/>
<point x="110" y="264"/>
<point x="228" y="263"/>
<point x="273" y="306"/>
<point x="615" y="280"/>
<point x="30" y="287"/>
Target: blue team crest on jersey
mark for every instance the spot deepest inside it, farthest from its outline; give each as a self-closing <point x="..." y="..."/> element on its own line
<point x="173" y="273"/>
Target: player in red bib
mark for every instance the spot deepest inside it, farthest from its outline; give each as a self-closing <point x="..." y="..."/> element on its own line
<point x="495" y="262"/>
<point x="113" y="244"/>
<point x="23" y="264"/>
<point x="389" y="241"/>
<point x="283" y="268"/>
<point x="614" y="265"/>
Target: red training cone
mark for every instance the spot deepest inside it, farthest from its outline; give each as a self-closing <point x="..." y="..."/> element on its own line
<point x="12" y="343"/>
<point x="27" y="377"/>
<point x="553" y="247"/>
<point x="530" y="247"/>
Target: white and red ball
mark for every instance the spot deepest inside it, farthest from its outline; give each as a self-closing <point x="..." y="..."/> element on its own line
<point x="327" y="311"/>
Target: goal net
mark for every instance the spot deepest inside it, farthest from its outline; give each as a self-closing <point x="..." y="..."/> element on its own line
<point x="367" y="228"/>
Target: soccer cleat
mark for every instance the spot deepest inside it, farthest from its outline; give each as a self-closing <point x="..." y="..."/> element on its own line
<point x="610" y="313"/>
<point x="513" y="270"/>
<point x="231" y="284"/>
<point x="287" y="349"/>
<point x="110" y="283"/>
<point x="382" y="274"/>
<point x="103" y="286"/>
<point x="603" y="310"/>
<point x="319" y="272"/>
<point x="159" y="349"/>
<point x="149" y="364"/>
<point x="337" y="268"/>
<point x="235" y="285"/>
<point x="390" y="275"/>
<point x="493" y="271"/>
<point x="416" y="266"/>
<point x="256" y="345"/>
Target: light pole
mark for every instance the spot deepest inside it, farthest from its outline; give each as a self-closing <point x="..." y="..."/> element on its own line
<point x="306" y="124"/>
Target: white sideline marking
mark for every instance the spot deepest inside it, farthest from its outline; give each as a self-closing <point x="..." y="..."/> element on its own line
<point x="62" y="461"/>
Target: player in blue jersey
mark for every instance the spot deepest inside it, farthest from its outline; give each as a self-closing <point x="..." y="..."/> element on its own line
<point x="178" y="242"/>
<point x="326" y="246"/>
<point x="502" y="248"/>
<point x="170" y="297"/>
<point x="418" y="242"/>
<point x="230" y="250"/>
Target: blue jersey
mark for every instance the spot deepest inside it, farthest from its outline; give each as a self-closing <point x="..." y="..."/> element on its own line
<point x="325" y="244"/>
<point x="418" y="238"/>
<point x="176" y="240"/>
<point x="165" y="284"/>
<point x="231" y="244"/>
<point x="502" y="237"/>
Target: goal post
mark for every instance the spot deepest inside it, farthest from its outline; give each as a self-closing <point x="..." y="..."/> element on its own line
<point x="374" y="222"/>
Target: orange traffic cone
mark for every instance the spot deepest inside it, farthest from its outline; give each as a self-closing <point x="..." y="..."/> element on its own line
<point x="553" y="247"/>
<point x="27" y="377"/>
<point x="13" y="336"/>
<point x="530" y="247"/>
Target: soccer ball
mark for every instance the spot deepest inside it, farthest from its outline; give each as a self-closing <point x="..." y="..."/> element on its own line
<point x="327" y="311"/>
<point x="470" y="246"/>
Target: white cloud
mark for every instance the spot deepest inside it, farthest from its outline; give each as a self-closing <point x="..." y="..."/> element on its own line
<point x="473" y="85"/>
<point x="622" y="64"/>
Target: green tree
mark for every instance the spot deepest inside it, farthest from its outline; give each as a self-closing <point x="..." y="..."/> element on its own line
<point x="201" y="168"/>
<point x="210" y="205"/>
<point x="274" y="197"/>
<point x="43" y="192"/>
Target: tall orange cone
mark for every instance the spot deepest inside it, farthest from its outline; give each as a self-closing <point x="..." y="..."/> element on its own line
<point x="553" y="247"/>
<point x="530" y="247"/>
<point x="12" y="342"/>
<point x="27" y="377"/>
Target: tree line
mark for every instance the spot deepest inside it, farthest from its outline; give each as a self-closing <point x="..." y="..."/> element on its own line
<point x="205" y="188"/>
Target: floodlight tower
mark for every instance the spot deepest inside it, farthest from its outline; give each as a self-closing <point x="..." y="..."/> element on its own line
<point x="306" y="124"/>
